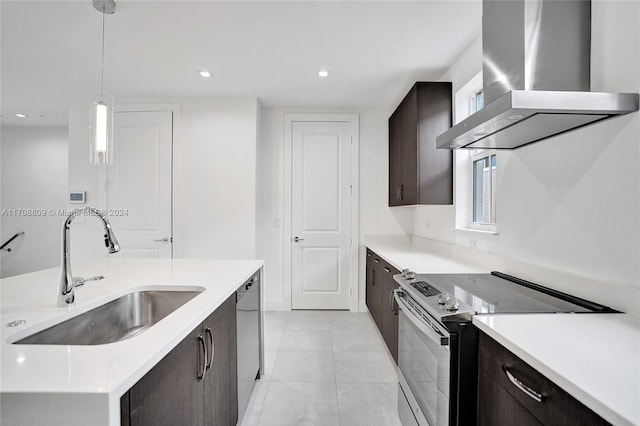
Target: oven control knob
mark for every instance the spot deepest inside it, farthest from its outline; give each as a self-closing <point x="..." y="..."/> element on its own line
<point x="451" y="306"/>
<point x="410" y="276"/>
<point x="405" y="272"/>
<point x="443" y="298"/>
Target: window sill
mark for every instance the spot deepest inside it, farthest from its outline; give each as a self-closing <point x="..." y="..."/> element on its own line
<point x="477" y="231"/>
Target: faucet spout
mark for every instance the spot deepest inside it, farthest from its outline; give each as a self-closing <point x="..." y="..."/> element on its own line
<point x="67" y="283"/>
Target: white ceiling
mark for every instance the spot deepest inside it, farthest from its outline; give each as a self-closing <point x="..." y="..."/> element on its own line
<point x="374" y="50"/>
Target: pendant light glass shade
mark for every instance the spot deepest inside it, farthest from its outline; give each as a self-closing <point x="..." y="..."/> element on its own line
<point x="101" y="146"/>
<point x="102" y="130"/>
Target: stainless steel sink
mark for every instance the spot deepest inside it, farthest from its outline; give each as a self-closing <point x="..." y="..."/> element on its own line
<point x="120" y="319"/>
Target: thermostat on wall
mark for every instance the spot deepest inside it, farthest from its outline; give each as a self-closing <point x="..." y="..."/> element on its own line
<point x="77" y="197"/>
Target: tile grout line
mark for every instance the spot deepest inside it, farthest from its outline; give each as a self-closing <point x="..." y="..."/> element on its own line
<point x="335" y="374"/>
<point x="334" y="325"/>
<point x="268" y="385"/>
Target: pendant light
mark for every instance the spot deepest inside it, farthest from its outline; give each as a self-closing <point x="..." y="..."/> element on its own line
<point x="102" y="104"/>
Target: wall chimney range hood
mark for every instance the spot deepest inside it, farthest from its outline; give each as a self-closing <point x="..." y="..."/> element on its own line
<point x="536" y="76"/>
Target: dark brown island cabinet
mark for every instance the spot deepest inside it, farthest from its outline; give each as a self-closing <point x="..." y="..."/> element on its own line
<point x="418" y="172"/>
<point x="379" y="298"/>
<point x="511" y="392"/>
<point x="195" y="383"/>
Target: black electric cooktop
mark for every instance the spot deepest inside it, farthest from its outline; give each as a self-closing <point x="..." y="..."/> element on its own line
<point x="497" y="293"/>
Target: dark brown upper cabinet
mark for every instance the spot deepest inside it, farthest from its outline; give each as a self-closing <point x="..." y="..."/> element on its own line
<point x="418" y="172"/>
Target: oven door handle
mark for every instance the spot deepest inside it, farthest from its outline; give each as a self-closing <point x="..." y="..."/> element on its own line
<point x="439" y="336"/>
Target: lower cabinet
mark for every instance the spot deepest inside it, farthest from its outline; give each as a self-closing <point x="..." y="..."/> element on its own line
<point x="195" y="383"/>
<point x="389" y="315"/>
<point x="379" y="298"/>
<point x="220" y="382"/>
<point x="511" y="392"/>
<point x="373" y="288"/>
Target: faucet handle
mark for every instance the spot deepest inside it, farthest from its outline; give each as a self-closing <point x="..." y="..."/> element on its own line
<point x="79" y="281"/>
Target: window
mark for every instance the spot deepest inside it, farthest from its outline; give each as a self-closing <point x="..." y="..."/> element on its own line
<point x="475" y="194"/>
<point x="476" y="101"/>
<point x="483" y="164"/>
<point x="484" y="188"/>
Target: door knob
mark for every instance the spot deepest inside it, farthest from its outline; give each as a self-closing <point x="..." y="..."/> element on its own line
<point x="163" y="240"/>
<point x="296" y="239"/>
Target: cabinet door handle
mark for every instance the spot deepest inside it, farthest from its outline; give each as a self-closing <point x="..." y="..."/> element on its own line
<point x="393" y="304"/>
<point x="210" y="360"/>
<point x="398" y="193"/>
<point x="387" y="269"/>
<point x="401" y="192"/>
<point x="536" y="396"/>
<point x="204" y="363"/>
<point x="373" y="278"/>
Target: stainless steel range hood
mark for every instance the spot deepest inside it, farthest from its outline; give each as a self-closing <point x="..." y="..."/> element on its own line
<point x="536" y="76"/>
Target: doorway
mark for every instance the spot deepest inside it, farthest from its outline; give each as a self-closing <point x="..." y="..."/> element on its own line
<point x="139" y="183"/>
<point x="321" y="210"/>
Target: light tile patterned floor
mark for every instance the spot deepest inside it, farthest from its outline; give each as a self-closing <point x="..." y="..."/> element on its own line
<point x="324" y="368"/>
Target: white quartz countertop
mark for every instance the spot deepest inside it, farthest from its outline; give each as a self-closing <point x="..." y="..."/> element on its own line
<point x="593" y="357"/>
<point x="402" y="254"/>
<point x="89" y="380"/>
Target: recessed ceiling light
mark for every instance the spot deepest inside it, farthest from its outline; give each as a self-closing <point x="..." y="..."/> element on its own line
<point x="323" y="73"/>
<point x="205" y="74"/>
<point x="19" y="115"/>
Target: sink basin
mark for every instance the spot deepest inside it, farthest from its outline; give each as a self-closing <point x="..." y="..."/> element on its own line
<point x="119" y="319"/>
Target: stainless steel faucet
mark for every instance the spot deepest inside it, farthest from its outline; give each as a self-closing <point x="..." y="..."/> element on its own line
<point x="68" y="282"/>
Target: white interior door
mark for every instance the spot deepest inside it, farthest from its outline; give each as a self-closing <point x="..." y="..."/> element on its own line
<point x="320" y="215"/>
<point x="139" y="183"/>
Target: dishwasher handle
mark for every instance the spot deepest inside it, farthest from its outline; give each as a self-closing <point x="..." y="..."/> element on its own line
<point x="248" y="285"/>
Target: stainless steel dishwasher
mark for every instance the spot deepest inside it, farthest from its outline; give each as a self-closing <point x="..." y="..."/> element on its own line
<point x="248" y="329"/>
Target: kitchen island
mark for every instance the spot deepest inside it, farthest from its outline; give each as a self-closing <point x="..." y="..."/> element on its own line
<point x="80" y="385"/>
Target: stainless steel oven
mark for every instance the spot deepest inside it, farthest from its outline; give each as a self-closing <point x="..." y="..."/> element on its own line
<point x="424" y="359"/>
<point x="438" y="344"/>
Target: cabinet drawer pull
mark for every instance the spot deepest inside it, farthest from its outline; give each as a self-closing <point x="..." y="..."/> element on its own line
<point x="376" y="260"/>
<point x="204" y="363"/>
<point x="387" y="269"/>
<point x="536" y="396"/>
<point x="210" y="360"/>
<point x="369" y="254"/>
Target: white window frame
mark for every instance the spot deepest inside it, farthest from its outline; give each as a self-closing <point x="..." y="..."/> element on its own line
<point x="465" y="99"/>
<point x="475" y="155"/>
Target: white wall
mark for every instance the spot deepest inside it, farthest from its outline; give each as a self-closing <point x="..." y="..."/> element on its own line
<point x="214" y="177"/>
<point x="375" y="217"/>
<point x="34" y="176"/>
<point x="570" y="203"/>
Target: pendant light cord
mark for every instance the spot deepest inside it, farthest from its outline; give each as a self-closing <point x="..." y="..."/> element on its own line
<point x="102" y="63"/>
